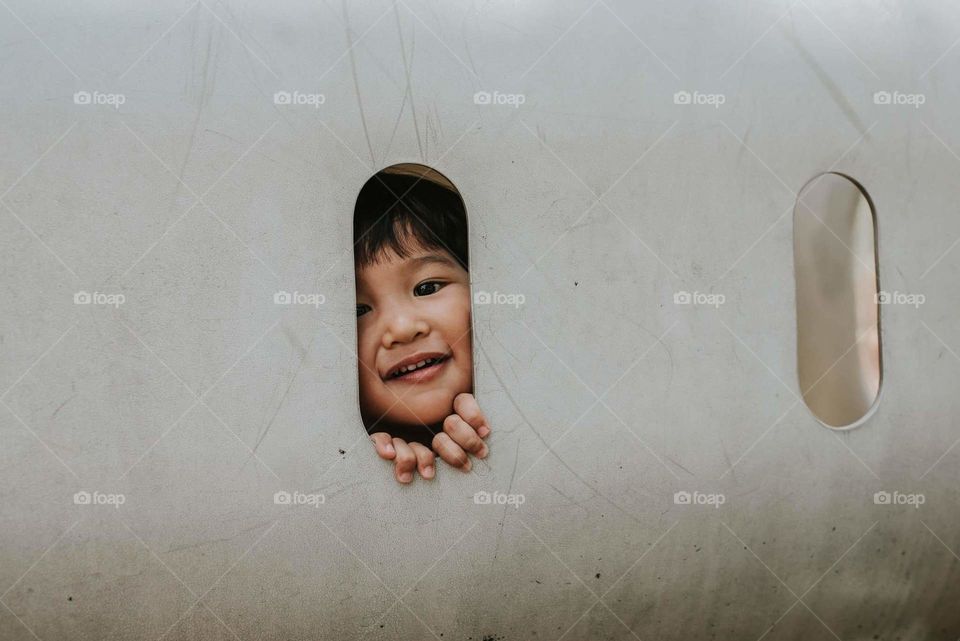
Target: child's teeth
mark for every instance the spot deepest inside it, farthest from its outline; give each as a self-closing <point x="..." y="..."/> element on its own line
<point x="410" y="368"/>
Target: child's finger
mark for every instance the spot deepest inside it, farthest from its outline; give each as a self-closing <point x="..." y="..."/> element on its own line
<point x="464" y="435"/>
<point x="469" y="410"/>
<point x="450" y="452"/>
<point x="384" y="444"/>
<point x="425" y="460"/>
<point x="405" y="462"/>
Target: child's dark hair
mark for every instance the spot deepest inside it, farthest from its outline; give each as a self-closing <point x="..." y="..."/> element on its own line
<point x="401" y="211"/>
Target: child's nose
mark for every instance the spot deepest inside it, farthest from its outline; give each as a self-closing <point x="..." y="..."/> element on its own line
<point x="404" y="327"/>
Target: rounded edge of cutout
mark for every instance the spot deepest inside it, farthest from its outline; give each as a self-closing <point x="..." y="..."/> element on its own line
<point x="878" y="396"/>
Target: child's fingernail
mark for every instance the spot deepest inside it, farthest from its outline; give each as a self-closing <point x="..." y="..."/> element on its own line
<point x="428" y="472"/>
<point x="406" y="477"/>
<point x="467" y="466"/>
<point x="389" y="448"/>
<point x="483" y="431"/>
<point x="483" y="453"/>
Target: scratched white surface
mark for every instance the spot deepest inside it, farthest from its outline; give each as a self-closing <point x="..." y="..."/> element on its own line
<point x="198" y="398"/>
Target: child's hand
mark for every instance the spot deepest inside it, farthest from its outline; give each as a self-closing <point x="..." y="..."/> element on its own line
<point x="406" y="456"/>
<point x="463" y="432"/>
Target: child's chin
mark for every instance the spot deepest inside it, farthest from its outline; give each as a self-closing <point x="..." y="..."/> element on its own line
<point x="429" y="408"/>
<point x="425" y="416"/>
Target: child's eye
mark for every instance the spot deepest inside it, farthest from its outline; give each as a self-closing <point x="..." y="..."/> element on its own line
<point x="427" y="288"/>
<point x="362" y="309"/>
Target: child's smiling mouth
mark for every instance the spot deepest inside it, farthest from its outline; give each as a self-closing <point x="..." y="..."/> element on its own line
<point x="418" y="368"/>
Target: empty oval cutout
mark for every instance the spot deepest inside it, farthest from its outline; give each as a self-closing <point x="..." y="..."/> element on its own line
<point x="414" y="338"/>
<point x="838" y="320"/>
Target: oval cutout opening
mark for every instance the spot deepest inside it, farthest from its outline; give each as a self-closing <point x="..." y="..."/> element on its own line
<point x="414" y="338"/>
<point x="839" y="361"/>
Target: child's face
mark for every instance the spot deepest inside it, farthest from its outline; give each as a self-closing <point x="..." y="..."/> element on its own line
<point x="412" y="310"/>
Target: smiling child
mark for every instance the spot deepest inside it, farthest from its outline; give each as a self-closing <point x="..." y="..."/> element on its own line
<point x="413" y="322"/>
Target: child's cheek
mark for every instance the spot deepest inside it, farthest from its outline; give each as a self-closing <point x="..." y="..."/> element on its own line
<point x="366" y="345"/>
<point x="367" y="363"/>
<point x="459" y="309"/>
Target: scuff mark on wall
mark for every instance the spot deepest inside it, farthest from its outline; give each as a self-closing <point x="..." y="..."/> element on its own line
<point x="302" y="354"/>
<point x="356" y="85"/>
<point x="559" y="458"/>
<point x="832" y="89"/>
<point x="409" y="86"/>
